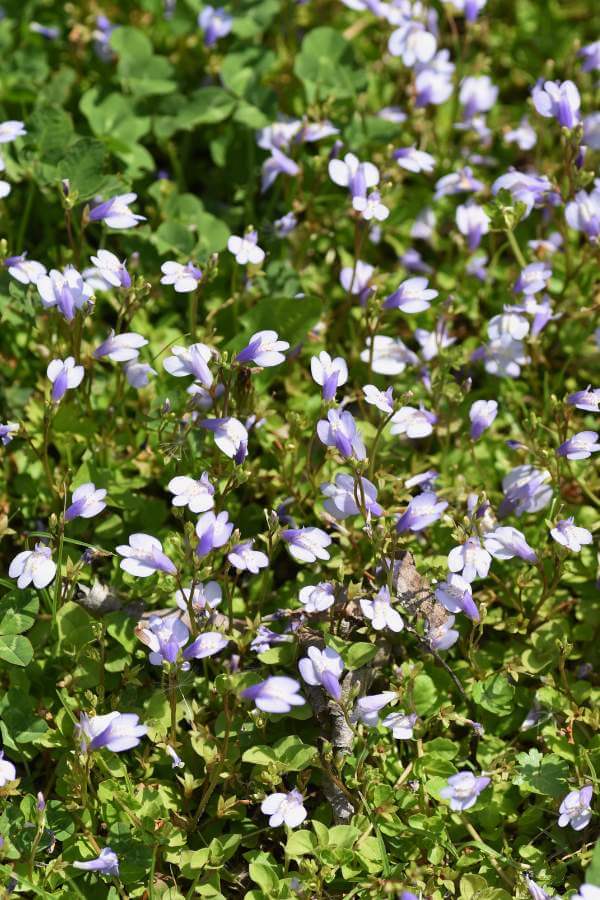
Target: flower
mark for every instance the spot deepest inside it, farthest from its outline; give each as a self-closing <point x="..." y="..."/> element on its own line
<point x="317" y="597"/>
<point x="575" y="809"/>
<point x="111" y="269"/>
<point x="525" y="490"/>
<point x="390" y="356"/>
<point x="246" y="249"/>
<point x="33" y="566"/>
<point x="176" y="761"/>
<point x="191" y="361"/>
<point x="510" y="323"/>
<point x="231" y="436"/>
<point x="414" y="160"/>
<point x="457" y="183"/>
<point x="324" y="668"/>
<point x="264" y="349"/>
<point x="202" y="598"/>
<point x="560" y="101"/>
<point x="588" y="400"/>
<point x="523" y="136"/>
<point x="412" y="296"/>
<point x="11" y="130"/>
<point x="350" y="172"/>
<point x="571" y="536"/>
<point x="587" y="892"/>
<point x="413" y="43"/>
<point x="206" y="644"/>
<point x="414" y="423"/>
<point x="184" y="278"/>
<point x="383" y="400"/>
<point x="422" y="511"/>
<point x="87" y="501"/>
<point x="535" y="891"/>
<point x="216" y="23"/>
<point x="424" y="480"/>
<point x="121" y="347"/>
<point x="143" y="556"/>
<point x="356" y="279"/>
<point x="533" y="278"/>
<point x="27" y="271"/>
<point x="505" y="356"/>
<point x="138" y="373"/>
<point x="469" y="8"/>
<point x="66" y="290"/>
<point x="371" y="207"/>
<point x="344" y="497"/>
<point x="455" y="595"/>
<point x="477" y="95"/>
<point x="401" y="724"/>
<point x="473" y="222"/>
<point x="284" y="809"/>
<point x="64" y="375"/>
<point x="165" y="636"/>
<point x="277" y="164"/>
<point x="482" y="414"/>
<point x="442" y="636"/>
<point x="306" y="545"/>
<point x="196" y="494"/>
<point x="432" y="342"/>
<point x="339" y="430"/>
<point x="285" y="225"/>
<point x="277" y="694"/>
<point x="583" y="213"/>
<point x="6" y="432"/>
<point x="115" y="212"/>
<point x="463" y="790"/>
<point x="213" y="531"/>
<point x="506" y="542"/>
<point x="106" y="863"/>
<point x="244" y="558"/>
<point x="329" y="373"/>
<point x="471" y="559"/>
<point x="116" y="731"/>
<point x="7" y="770"/>
<point x="367" y="708"/>
<point x="580" y="445"/>
<point x="381" y="612"/>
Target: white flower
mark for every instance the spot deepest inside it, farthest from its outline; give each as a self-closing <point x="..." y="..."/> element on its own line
<point x="11" y="130"/>
<point x="111" y="269"/>
<point x="27" y="271"/>
<point x="245" y="249"/>
<point x="285" y="809"/>
<point x="414" y="160"/>
<point x="202" y="598"/>
<point x="570" y="535"/>
<point x="196" y="494"/>
<point x="138" y="373"/>
<point x="381" y="399"/>
<point x="324" y="668"/>
<point x="402" y="725"/>
<point x="190" y="361"/>
<point x="317" y="597"/>
<point x="508" y="323"/>
<point x="264" y="348"/>
<point x="413" y="43"/>
<point x="87" y="501"/>
<point x="184" y="278"/>
<point x="230" y="435"/>
<point x="7" y="770"/>
<point x="381" y="612"/>
<point x="414" y="423"/>
<point x="34" y="566"/>
<point x="244" y="558"/>
<point x="64" y="375"/>
<point x="144" y="556"/>
<point x="471" y="559"/>
<point x="329" y="373"/>
<point x="121" y="347"/>
<point x="344" y="172"/>
<point x="371" y="207"/>
<point x="390" y="355"/>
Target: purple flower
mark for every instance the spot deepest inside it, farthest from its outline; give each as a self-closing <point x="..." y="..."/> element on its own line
<point x="317" y="597"/>
<point x="356" y="279"/>
<point x="588" y="400"/>
<point x="184" y="278"/>
<point x="587" y="892"/>
<point x="191" y="361"/>
<point x="560" y="101"/>
<point x="264" y="349"/>
<point x="523" y="136"/>
<point x="203" y="598"/>
<point x="414" y="160"/>
<point x="422" y="511"/>
<point x="143" y="556"/>
<point x="138" y="373"/>
<point x="590" y="54"/>
<point x="33" y="567"/>
<point x="414" y="423"/>
<point x="383" y="400"/>
<point x="463" y="790"/>
<point x="246" y="249"/>
<point x="412" y="296"/>
<point x="26" y="271"/>
<point x="402" y="725"/>
<point x="284" y="809"/>
<point x="324" y="668"/>
<point x="216" y="23"/>
<point x="231" y="437"/>
<point x="482" y="414"/>
<point x="11" y="130"/>
<point x="213" y="531"/>
<point x="8" y="772"/>
<point x="477" y="95"/>
<point x="457" y="183"/>
<point x="344" y="497"/>
<point x="121" y="347"/>
<point x="350" y="172"/>
<point x="277" y="694"/>
<point x="568" y="534"/>
<point x="390" y="355"/>
<point x="244" y="558"/>
<point x="580" y="446"/>
<point x="531" y="190"/>
<point x="87" y="501"/>
<point x="506" y="542"/>
<point x="504" y="357"/>
<point x="66" y="290"/>
<point x="455" y="595"/>
<point x="339" y="430"/>
<point x="265" y="638"/>
<point x="424" y="480"/>
<point x="165" y="636"/>
<point x="368" y="708"/>
<point x="285" y="225"/>
<point x="432" y="87"/>
<point x="106" y="863"/>
<point x="525" y="490"/>
<point x="442" y="636"/>
<point x="413" y="43"/>
<point x="277" y="164"/>
<point x="575" y="809"/>
<point x="471" y="559"/>
<point x="533" y="278"/>
<point x="306" y="545"/>
<point x="469" y="8"/>
<point x="583" y="213"/>
<point x="473" y="222"/>
<point x="116" y="731"/>
<point x="329" y="373"/>
<point x="206" y="644"/>
<point x="176" y="761"/>
<point x="111" y="269"/>
<point x="196" y="494"/>
<point x="432" y="342"/>
<point x="115" y="212"/>
<point x="64" y="375"/>
<point x="381" y="613"/>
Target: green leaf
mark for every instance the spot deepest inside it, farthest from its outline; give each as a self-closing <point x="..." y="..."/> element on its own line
<point x="542" y="774"/>
<point x="592" y="873"/>
<point x="294" y="754"/>
<point x="265" y="876"/>
<point x="300" y="843"/>
<point x="16" y="649"/>
<point x="295" y="316"/>
<point x="82" y="165"/>
<point x="425" y="695"/>
<point x="260" y="756"/>
<point x="359" y="655"/>
<point x="495" y="694"/>
<point x="327" y="67"/>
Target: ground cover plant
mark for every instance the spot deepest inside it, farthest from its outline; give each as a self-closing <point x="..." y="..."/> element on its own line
<point x="299" y="383"/>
